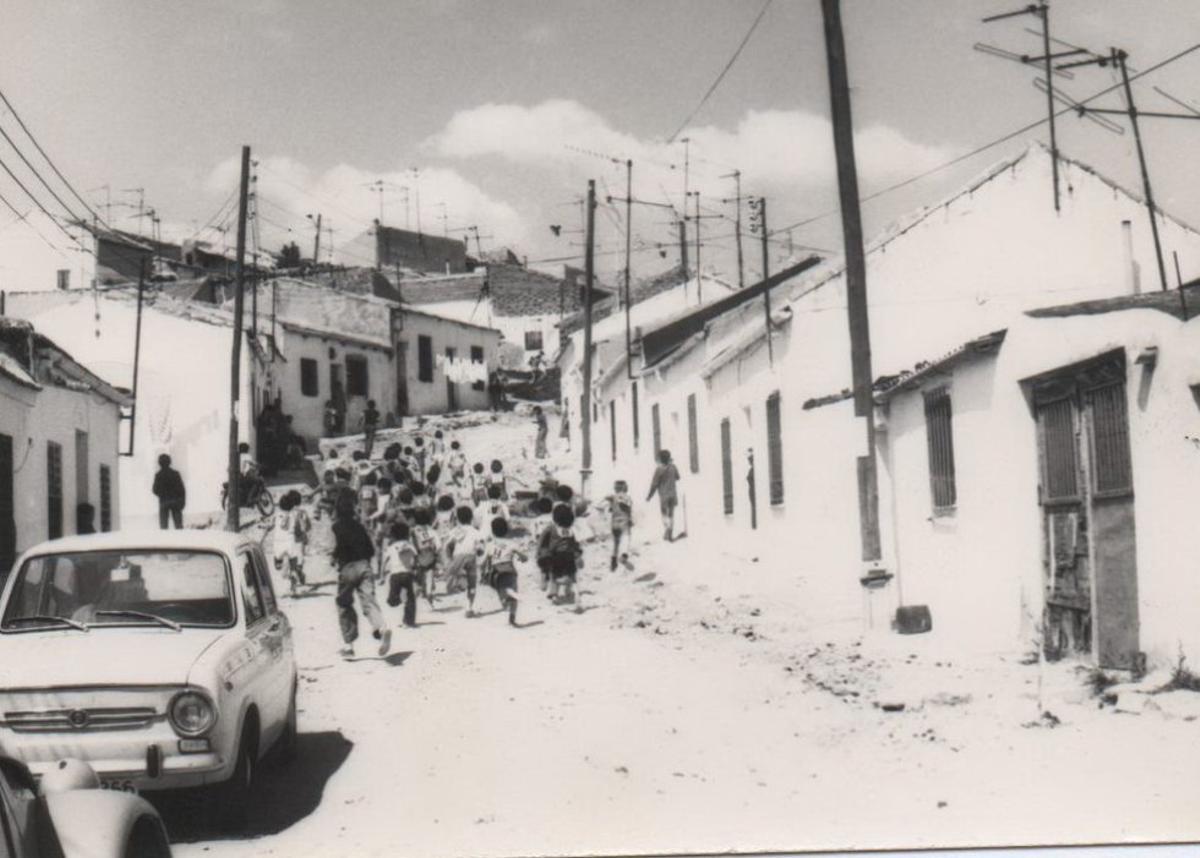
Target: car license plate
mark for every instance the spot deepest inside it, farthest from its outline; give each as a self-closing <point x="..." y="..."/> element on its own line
<point x="119" y="786"/>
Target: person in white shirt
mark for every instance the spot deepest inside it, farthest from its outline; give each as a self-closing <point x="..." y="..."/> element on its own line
<point x="464" y="545"/>
<point x="491" y="508"/>
<point x="500" y="567"/>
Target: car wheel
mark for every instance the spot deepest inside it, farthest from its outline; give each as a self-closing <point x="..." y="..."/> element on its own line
<point x="285" y="748"/>
<point x="231" y="798"/>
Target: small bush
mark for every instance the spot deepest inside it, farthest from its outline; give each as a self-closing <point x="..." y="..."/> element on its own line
<point x="1182" y="678"/>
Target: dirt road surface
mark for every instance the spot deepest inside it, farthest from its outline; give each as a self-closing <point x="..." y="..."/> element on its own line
<point x="678" y="713"/>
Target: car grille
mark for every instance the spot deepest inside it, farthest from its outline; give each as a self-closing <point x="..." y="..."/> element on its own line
<point x="75" y="720"/>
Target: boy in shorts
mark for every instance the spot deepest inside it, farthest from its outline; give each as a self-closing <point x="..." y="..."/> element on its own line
<point x="620" y="519"/>
<point x="564" y="553"/>
<point x="500" y="567"/>
<point x="425" y="541"/>
<point x="399" y="564"/>
<point x="463" y="548"/>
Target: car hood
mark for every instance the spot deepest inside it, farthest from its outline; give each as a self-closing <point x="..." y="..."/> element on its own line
<point x="113" y="656"/>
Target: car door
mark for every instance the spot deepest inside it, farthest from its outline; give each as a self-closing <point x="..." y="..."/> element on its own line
<point x="257" y="672"/>
<point x="277" y="643"/>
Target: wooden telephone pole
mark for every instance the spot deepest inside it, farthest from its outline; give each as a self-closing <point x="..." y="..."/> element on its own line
<point x="232" y="489"/>
<point x="585" y="416"/>
<point x="856" y="274"/>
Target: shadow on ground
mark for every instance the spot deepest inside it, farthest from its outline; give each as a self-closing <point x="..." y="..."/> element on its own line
<point x="283" y="795"/>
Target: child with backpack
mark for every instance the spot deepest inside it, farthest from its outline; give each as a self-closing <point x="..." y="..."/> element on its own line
<point x="399" y="565"/>
<point x="456" y="464"/>
<point x="496" y="477"/>
<point x="543" y="506"/>
<point x="478" y="484"/>
<point x="564" y="554"/>
<point x="425" y="541"/>
<point x="500" y="567"/>
<point x="464" y="546"/>
<point x="620" y="519"/>
<point x="492" y="508"/>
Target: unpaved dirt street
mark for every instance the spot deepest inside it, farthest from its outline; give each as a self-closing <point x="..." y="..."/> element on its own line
<point x="676" y="714"/>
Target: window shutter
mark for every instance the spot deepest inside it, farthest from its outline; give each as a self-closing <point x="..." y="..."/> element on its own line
<point x="1060" y="479"/>
<point x="727" y="466"/>
<point x="693" y="435"/>
<point x="634" y="410"/>
<point x="941" y="448"/>
<point x="105" y="499"/>
<point x="775" y="448"/>
<point x="1111" y="467"/>
<point x="54" y="489"/>
<point x="656" y="428"/>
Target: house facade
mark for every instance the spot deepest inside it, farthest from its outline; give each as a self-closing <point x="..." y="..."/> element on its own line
<point x="776" y="443"/>
<point x="59" y="427"/>
<point x="1075" y="538"/>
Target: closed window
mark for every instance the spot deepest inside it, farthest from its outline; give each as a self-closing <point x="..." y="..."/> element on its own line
<point x="533" y="341"/>
<point x="941" y="448"/>
<point x="774" y="449"/>
<point x="310" y="384"/>
<point x="424" y="358"/>
<point x="634" y="409"/>
<point x="612" y="426"/>
<point x="251" y="597"/>
<point x="1111" y="467"/>
<point x="357" y="382"/>
<point x="105" y="499"/>
<point x="693" y="435"/>
<point x="54" y="489"/>
<point x="656" y="428"/>
<point x="727" y="466"/>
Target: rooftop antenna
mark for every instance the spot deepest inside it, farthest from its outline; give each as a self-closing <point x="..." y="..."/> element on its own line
<point x="1116" y="58"/>
<point x="736" y="199"/>
<point x="1042" y="10"/>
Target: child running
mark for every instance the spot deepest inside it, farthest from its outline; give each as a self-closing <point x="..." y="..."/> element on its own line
<point x="494" y="507"/>
<point x="425" y="541"/>
<point x="620" y="519"/>
<point x="399" y="564"/>
<point x="463" y="548"/>
<point x="284" y="547"/>
<point x="500" y="567"/>
<point x="564" y="554"/>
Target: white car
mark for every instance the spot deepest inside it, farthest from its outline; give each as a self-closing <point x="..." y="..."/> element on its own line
<point x="161" y="659"/>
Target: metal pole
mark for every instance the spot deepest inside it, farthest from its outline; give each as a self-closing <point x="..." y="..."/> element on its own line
<point x="683" y="249"/>
<point x="232" y="511"/>
<point x="137" y="353"/>
<point x="699" y="280"/>
<point x="317" y="242"/>
<point x="1044" y="10"/>
<point x="628" y="275"/>
<point x="856" y="272"/>
<point x="586" y="417"/>
<point x="762" y="224"/>
<point x="1119" y="59"/>
<point x="737" y="178"/>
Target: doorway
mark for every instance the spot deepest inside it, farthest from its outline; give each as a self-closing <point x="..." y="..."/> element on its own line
<point x="451" y="387"/>
<point x="1085" y="490"/>
<point x="337" y="393"/>
<point x="8" y="524"/>
<point x="401" y="380"/>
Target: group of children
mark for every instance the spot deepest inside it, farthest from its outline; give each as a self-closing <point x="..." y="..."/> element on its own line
<point x="435" y="518"/>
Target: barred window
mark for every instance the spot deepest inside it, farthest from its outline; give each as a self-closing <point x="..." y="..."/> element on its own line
<point x="727" y="466"/>
<point x="941" y="448"/>
<point x="634" y="410"/>
<point x="424" y="358"/>
<point x="1111" y="469"/>
<point x="774" y="449"/>
<point x="54" y="489"/>
<point x="1060" y="479"/>
<point x="309" y="383"/>
<point x="693" y="435"/>
<point x="105" y="499"/>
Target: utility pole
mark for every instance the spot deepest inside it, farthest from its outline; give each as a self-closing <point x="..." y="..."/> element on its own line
<point x="683" y="250"/>
<point x="736" y="175"/>
<point x="316" y="239"/>
<point x="856" y="273"/>
<point x="699" y="275"/>
<point x="585" y="471"/>
<point x="628" y="263"/>
<point x="762" y="227"/>
<point x="232" y="489"/>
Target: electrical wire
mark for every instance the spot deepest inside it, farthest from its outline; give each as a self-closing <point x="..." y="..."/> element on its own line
<point x="42" y="151"/>
<point x="980" y="149"/>
<point x="24" y="219"/>
<point x="724" y="71"/>
<point x="38" y="203"/>
<point x="37" y="175"/>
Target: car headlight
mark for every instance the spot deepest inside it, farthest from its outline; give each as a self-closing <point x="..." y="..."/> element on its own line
<point x="192" y="713"/>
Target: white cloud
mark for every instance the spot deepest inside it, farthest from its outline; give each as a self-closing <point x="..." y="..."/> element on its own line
<point x="290" y="190"/>
<point x="771" y="147"/>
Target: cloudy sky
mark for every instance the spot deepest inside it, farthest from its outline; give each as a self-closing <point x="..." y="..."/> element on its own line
<point x="506" y="109"/>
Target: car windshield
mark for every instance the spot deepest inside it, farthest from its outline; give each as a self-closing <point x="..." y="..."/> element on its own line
<point x="85" y="590"/>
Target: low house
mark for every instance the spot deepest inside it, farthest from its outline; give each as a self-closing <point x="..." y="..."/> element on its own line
<point x="182" y="406"/>
<point x="776" y="437"/>
<point x="59" y="426"/>
<point x="1075" y="536"/>
<point x="526" y="306"/>
<point x="390" y="248"/>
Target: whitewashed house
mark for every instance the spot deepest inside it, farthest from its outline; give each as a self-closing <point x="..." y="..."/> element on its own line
<point x="950" y="273"/>
<point x="59" y="427"/>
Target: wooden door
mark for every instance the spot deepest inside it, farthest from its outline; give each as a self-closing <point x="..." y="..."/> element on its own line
<point x="451" y="387"/>
<point x="8" y="524"/>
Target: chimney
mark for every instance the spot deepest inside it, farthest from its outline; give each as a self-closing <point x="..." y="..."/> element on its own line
<point x="1133" y="284"/>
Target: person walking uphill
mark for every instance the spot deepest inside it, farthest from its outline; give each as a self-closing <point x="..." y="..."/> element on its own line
<point x="539" y="449"/>
<point x="665" y="483"/>
<point x="172" y="496"/>
<point x="352" y="553"/>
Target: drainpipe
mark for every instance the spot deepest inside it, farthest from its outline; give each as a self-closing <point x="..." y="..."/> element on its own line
<point x="1133" y="284"/>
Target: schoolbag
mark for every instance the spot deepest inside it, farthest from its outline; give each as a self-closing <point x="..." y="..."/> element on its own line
<point x="426" y="551"/>
<point x="563" y="546"/>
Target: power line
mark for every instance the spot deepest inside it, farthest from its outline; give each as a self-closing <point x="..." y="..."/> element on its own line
<point x="35" y="230"/>
<point x="724" y="71"/>
<point x="37" y="146"/>
<point x="38" y="203"/>
<point x="980" y="149"/>
<point x="37" y="175"/>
